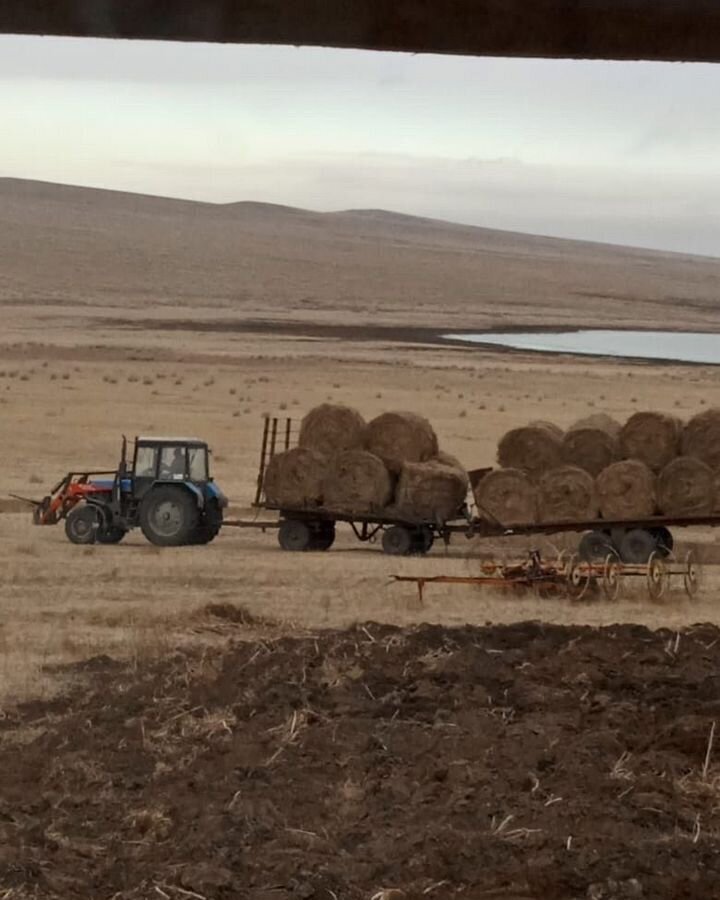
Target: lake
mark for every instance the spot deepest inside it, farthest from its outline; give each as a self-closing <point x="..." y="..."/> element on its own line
<point x="679" y="346"/>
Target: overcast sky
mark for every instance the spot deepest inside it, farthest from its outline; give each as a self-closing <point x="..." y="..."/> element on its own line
<point x="620" y="152"/>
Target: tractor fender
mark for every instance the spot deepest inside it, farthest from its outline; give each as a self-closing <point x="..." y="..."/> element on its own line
<point x="189" y="486"/>
<point x="214" y="493"/>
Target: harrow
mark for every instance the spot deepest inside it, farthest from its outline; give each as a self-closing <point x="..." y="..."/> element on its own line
<point x="573" y="577"/>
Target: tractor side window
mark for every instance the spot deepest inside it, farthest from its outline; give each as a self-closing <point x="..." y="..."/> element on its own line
<point x="172" y="462"/>
<point x="198" y="464"/>
<point x="145" y="462"/>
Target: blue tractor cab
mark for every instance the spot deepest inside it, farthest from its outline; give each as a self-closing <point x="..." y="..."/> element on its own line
<point x="164" y="487"/>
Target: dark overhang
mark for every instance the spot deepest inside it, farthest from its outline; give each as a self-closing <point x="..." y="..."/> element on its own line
<point x="602" y="29"/>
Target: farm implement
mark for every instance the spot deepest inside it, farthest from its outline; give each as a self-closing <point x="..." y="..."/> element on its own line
<point x="573" y="577"/>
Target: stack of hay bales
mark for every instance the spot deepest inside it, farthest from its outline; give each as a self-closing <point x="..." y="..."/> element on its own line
<point x="390" y="467"/>
<point x="592" y="444"/>
<point x="650" y="465"/>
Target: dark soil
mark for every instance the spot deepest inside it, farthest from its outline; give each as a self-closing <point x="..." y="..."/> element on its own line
<point x="525" y="761"/>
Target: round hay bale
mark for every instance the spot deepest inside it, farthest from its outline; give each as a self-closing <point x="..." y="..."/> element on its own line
<point x="551" y="426"/>
<point x="332" y="428"/>
<point x="356" y="482"/>
<point x="533" y="449"/>
<point x="651" y="437"/>
<point x="592" y="443"/>
<point x="626" y="490"/>
<point x="293" y="479"/>
<point x="401" y="437"/>
<point x="686" y="487"/>
<point x="448" y="460"/>
<point x="506" y="496"/>
<point x="701" y="438"/>
<point x="567" y="494"/>
<point x="430" y="492"/>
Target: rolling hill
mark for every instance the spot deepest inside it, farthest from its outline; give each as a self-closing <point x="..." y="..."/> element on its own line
<point x="61" y="244"/>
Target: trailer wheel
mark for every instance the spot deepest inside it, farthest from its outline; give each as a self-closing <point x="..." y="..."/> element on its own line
<point x="664" y="540"/>
<point x="398" y="541"/>
<point x="637" y="546"/>
<point x="595" y="546"/>
<point x="324" y="537"/>
<point x="110" y="535"/>
<point x="295" y="536"/>
<point x="423" y="540"/>
<point x="81" y="525"/>
<point x="169" y="516"/>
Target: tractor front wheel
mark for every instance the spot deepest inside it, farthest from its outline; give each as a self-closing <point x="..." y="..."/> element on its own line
<point x="81" y="525"/>
<point x="110" y="535"/>
<point x="169" y="516"/>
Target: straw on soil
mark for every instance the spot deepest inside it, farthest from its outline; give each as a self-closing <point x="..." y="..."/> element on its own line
<point x="430" y="492"/>
<point x="401" y="437"/>
<point x="686" y="487"/>
<point x="651" y="437"/>
<point x="626" y="490"/>
<point x="506" y="496"/>
<point x="533" y="449"/>
<point x="592" y="443"/>
<point x="356" y="482"/>
<point x="332" y="428"/>
<point x="567" y="494"/>
<point x="701" y="438"/>
<point x="293" y="478"/>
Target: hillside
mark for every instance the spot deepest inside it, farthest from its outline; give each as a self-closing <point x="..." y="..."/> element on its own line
<point x="70" y="245"/>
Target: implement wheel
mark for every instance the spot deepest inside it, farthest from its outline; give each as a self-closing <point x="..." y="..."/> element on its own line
<point x="691" y="578"/>
<point x="612" y="577"/>
<point x="81" y="525"/>
<point x="169" y="516"/>
<point x="657" y="576"/>
<point x="577" y="578"/>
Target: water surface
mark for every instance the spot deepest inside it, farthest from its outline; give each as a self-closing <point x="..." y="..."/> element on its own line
<point x="680" y="346"/>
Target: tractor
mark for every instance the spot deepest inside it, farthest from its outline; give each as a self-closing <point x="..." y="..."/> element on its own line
<point x="165" y="489"/>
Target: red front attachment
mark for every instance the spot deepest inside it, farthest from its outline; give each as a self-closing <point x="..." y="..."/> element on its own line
<point x="66" y="494"/>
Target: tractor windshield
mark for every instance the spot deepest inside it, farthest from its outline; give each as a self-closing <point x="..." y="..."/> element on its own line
<point x="197" y="457"/>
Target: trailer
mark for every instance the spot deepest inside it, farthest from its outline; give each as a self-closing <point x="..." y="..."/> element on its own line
<point x="631" y="541"/>
<point x="302" y="529"/>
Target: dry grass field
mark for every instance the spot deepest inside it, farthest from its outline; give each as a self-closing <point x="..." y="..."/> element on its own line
<point x="80" y="269"/>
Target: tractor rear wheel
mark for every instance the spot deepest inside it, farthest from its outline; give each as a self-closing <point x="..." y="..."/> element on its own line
<point x="81" y="525"/>
<point x="169" y="516"/>
<point x="209" y="525"/>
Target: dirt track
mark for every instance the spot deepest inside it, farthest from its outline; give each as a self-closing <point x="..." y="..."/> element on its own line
<point x="514" y="761"/>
